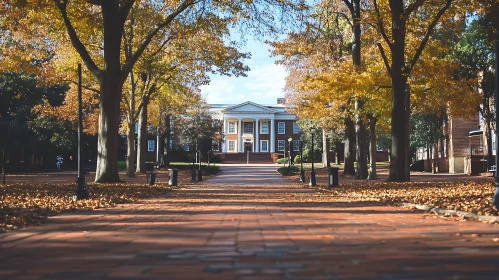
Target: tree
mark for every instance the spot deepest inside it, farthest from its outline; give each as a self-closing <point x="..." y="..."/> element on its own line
<point x="426" y="130"/>
<point x="197" y="127"/>
<point x="411" y="26"/>
<point x="475" y="53"/>
<point x="19" y="94"/>
<point x="105" y="22"/>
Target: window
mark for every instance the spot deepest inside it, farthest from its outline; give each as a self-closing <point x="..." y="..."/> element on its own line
<point x="232" y="127"/>
<point x="296" y="129"/>
<point x="186" y="147"/>
<point x="150" y="145"/>
<point x="296" y="145"/>
<point x="21" y="156"/>
<point x="215" y="146"/>
<point x="280" y="145"/>
<point x="232" y="145"/>
<point x="136" y="128"/>
<point x="265" y="128"/>
<point x="248" y="128"/>
<point x="171" y="144"/>
<point x="281" y="129"/>
<point x="265" y="145"/>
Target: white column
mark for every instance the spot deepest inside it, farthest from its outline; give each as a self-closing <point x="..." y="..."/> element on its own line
<point x="257" y="131"/>
<point x="226" y="130"/>
<point x="240" y="136"/>
<point x="272" y="136"/>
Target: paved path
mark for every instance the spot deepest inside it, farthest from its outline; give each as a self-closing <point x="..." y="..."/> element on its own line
<point x="251" y="174"/>
<point x="244" y="232"/>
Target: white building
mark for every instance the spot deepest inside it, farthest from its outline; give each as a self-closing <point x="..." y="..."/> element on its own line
<point x="256" y="128"/>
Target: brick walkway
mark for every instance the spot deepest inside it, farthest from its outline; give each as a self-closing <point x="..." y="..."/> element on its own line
<point x="241" y="232"/>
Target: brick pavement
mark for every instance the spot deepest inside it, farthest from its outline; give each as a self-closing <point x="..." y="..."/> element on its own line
<point x="244" y="232"/>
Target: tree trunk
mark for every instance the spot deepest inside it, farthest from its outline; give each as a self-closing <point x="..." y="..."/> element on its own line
<point x="111" y="84"/>
<point x="142" y="138"/>
<point x="159" y="144"/>
<point x="372" y="128"/>
<point x="434" y="159"/>
<point x="107" y="144"/>
<point x="348" y="168"/>
<point x="360" y="128"/>
<point x="130" y="159"/>
<point x="166" y="156"/>
<point x="325" y="148"/>
<point x="360" y="137"/>
<point x="399" y="165"/>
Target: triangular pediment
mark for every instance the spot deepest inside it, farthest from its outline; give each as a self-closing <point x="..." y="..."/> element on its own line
<point x="249" y="107"/>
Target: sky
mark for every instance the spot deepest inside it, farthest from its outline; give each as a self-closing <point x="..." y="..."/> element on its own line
<point x="263" y="85"/>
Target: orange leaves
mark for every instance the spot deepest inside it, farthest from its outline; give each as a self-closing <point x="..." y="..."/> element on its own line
<point x="23" y="204"/>
<point x="474" y="197"/>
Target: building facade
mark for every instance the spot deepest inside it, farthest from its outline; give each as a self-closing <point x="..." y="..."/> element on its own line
<point x="256" y="128"/>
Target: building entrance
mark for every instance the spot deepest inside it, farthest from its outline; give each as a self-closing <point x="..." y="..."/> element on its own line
<point x="248" y="147"/>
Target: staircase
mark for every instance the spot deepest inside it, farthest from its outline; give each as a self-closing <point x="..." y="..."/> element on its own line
<point x="240" y="158"/>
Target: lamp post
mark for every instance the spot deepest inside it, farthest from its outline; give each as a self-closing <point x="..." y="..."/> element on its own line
<point x="312" y="173"/>
<point x="80" y="191"/>
<point x="302" y="174"/>
<point x="290" y="140"/>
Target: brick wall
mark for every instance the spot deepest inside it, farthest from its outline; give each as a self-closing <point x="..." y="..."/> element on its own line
<point x="458" y="135"/>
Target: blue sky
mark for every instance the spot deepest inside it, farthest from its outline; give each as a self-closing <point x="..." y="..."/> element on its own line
<point x="264" y="84"/>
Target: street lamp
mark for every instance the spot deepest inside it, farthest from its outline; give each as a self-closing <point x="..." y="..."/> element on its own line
<point x="312" y="173"/>
<point x="80" y="192"/>
<point x="302" y="174"/>
<point x="289" y="159"/>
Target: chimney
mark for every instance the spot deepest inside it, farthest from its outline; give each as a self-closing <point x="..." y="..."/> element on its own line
<point x="281" y="101"/>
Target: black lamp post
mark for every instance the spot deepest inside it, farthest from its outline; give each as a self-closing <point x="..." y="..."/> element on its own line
<point x="312" y="173"/>
<point x="302" y="174"/>
<point x="80" y="191"/>
<point x="290" y="140"/>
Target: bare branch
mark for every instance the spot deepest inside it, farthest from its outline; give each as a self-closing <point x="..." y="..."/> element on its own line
<point x="385" y="59"/>
<point x="130" y="63"/>
<point x="411" y="8"/>
<point x="380" y="25"/>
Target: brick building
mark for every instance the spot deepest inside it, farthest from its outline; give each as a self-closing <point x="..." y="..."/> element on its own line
<point x="259" y="129"/>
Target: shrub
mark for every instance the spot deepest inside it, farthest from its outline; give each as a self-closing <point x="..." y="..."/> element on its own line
<point x="297" y="159"/>
<point x="282" y="160"/>
<point x="288" y="171"/>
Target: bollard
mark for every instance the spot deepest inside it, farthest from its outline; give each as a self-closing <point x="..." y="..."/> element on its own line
<point x="332" y="173"/>
<point x="151" y="178"/>
<point x="200" y="175"/>
<point x="193" y="176"/>
<point x="172" y="180"/>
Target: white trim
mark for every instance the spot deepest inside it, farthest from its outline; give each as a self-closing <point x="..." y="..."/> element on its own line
<point x="264" y="109"/>
<point x="235" y="146"/>
<point x="284" y="145"/>
<point x="284" y="126"/>
<point x="272" y="136"/>
<point x="261" y="127"/>
<point x="261" y="146"/>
